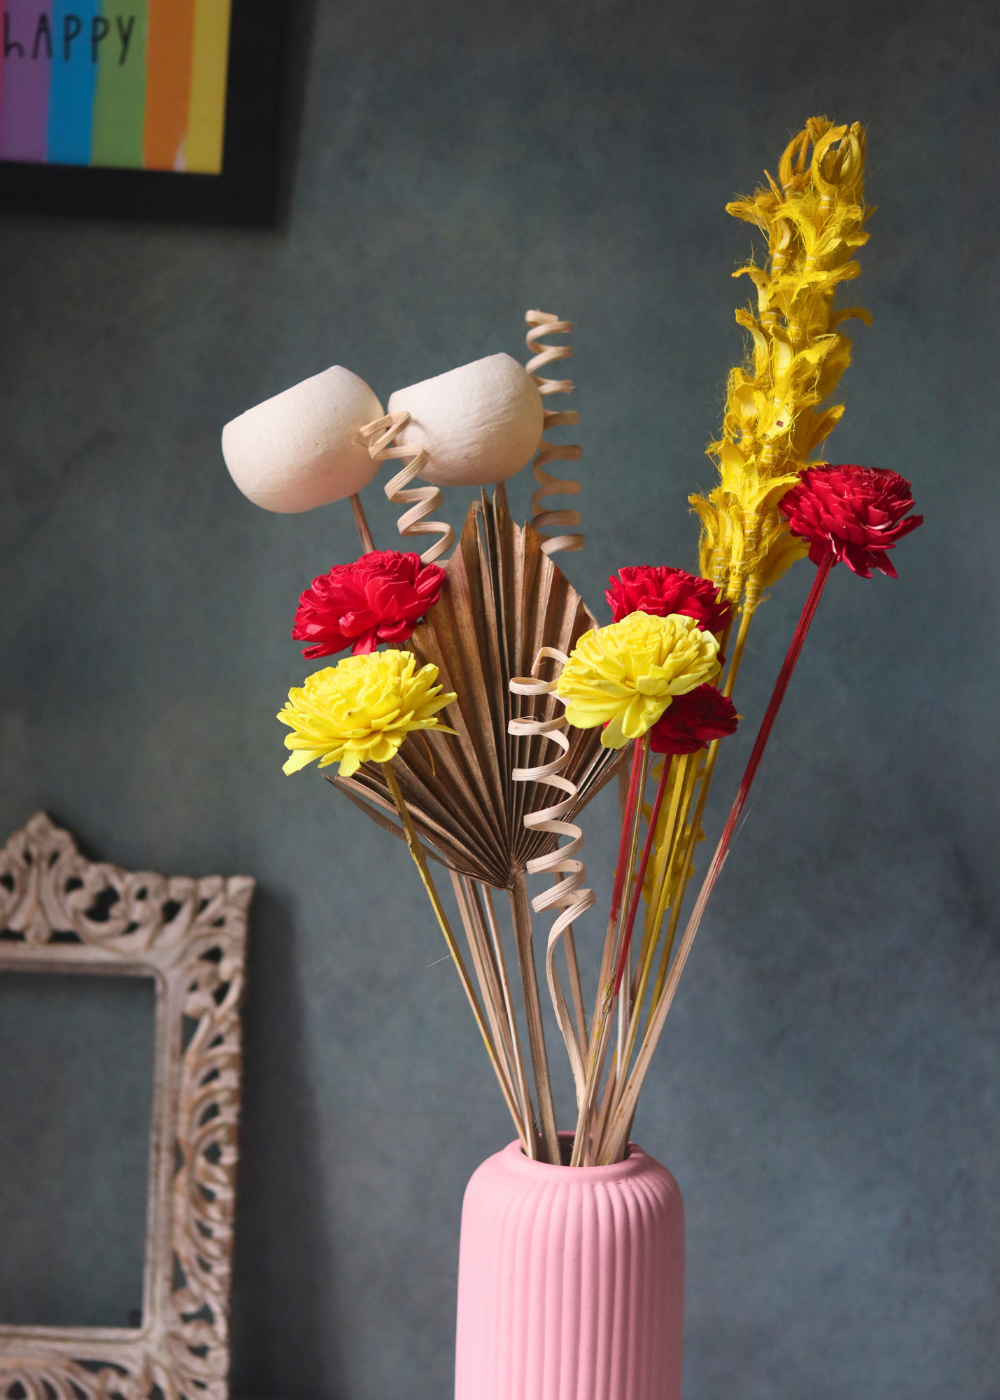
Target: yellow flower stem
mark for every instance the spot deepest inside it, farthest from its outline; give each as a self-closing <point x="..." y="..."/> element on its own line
<point x="630" y="872"/>
<point x="666" y="856"/>
<point x="683" y="788"/>
<point x="686" y="784"/>
<point x="656" y="877"/>
<point x="746" y="617"/>
<point x="660" y="866"/>
<point x="695" y="827"/>
<point x="420" y="861"/>
<point x="675" y="912"/>
<point x="361" y="524"/>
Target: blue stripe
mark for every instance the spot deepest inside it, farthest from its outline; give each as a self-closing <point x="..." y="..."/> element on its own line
<point x="71" y="95"/>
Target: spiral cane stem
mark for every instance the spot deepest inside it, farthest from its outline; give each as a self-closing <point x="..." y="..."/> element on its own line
<point x="545" y="323"/>
<point x="377" y="437"/>
<point x="567" y="894"/>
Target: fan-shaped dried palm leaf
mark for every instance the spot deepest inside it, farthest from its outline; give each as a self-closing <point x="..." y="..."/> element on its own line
<point x="502" y="600"/>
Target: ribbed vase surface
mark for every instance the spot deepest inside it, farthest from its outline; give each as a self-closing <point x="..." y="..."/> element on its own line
<point x="570" y="1281"/>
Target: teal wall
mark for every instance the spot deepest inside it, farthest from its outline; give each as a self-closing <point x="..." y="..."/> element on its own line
<point x="827" y="1093"/>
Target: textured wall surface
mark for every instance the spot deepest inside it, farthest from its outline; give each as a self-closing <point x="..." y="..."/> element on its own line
<point x="75" y="1099"/>
<point x="828" y="1093"/>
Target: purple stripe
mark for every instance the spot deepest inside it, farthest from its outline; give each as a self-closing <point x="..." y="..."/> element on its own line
<point x="24" y="96"/>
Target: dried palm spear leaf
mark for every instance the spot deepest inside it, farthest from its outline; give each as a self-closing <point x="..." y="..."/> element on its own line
<point x="503" y="599"/>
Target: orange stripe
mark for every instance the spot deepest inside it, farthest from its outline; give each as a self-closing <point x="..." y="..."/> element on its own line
<point x="169" y="52"/>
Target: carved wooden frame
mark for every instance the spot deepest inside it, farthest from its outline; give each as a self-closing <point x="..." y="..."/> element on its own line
<point x="62" y="913"/>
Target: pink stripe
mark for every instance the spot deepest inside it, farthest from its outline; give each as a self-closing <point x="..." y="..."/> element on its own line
<point x="24" y="95"/>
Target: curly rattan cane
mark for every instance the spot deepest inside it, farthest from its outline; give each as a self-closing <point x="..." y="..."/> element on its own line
<point x="567" y="894"/>
<point x="544" y="322"/>
<point x="377" y="437"/>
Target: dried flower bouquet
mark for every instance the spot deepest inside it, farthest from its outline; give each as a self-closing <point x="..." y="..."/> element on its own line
<point x="509" y="708"/>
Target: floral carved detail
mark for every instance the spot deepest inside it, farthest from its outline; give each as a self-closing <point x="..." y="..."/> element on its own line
<point x="62" y="912"/>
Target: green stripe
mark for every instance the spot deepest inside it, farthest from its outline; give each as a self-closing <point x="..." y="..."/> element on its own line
<point x="120" y="99"/>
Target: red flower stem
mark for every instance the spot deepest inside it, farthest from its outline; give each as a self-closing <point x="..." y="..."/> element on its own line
<point x="777" y="695"/>
<point x="764" y="732"/>
<point x="646" y="851"/>
<point x="760" y="743"/>
<point x="628" y="820"/>
<point x="605" y="1001"/>
<point x="626" y="1108"/>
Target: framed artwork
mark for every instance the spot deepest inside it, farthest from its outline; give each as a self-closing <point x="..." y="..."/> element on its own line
<point x="151" y="109"/>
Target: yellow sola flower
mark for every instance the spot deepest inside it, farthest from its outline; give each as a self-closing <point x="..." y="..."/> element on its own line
<point x="361" y="709"/>
<point x="624" y="676"/>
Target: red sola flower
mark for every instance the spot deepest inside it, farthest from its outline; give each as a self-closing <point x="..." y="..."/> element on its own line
<point x="380" y="598"/>
<point x="854" y="512"/>
<point x="662" y="591"/>
<point x="693" y="720"/>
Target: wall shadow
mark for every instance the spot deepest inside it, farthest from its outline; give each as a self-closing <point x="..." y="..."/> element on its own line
<point x="298" y="24"/>
<point x="281" y="1307"/>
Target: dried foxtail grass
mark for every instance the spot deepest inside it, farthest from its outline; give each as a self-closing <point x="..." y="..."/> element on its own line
<point x="502" y="601"/>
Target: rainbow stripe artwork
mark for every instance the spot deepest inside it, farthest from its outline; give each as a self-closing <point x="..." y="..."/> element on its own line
<point x="138" y="84"/>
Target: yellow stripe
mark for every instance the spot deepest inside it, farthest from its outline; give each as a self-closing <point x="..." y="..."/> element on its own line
<point x="207" y="109"/>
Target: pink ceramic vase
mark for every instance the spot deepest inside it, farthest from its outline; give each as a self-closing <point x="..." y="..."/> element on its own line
<point x="570" y="1281"/>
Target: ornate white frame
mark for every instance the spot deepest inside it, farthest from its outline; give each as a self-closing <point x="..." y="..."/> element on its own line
<point x="62" y="913"/>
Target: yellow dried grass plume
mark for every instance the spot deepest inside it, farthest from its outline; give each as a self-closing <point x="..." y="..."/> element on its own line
<point x="775" y="421"/>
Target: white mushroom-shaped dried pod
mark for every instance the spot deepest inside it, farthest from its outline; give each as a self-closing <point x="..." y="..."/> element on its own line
<point x="479" y="423"/>
<point x="297" y="450"/>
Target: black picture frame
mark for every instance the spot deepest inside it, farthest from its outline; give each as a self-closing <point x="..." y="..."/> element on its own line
<point x="243" y="195"/>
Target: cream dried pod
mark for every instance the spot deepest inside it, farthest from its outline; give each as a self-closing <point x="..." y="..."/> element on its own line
<point x="478" y="423"/>
<point x="300" y="450"/>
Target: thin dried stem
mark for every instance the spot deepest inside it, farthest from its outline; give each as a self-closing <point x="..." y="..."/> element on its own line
<point x="608" y="1099"/>
<point x="624" y="1004"/>
<point x="482" y="962"/>
<point x="576" y="987"/>
<point x="361" y="524"/>
<point x="527" y="1109"/>
<point x="420" y="861"/>
<point x="521" y="912"/>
